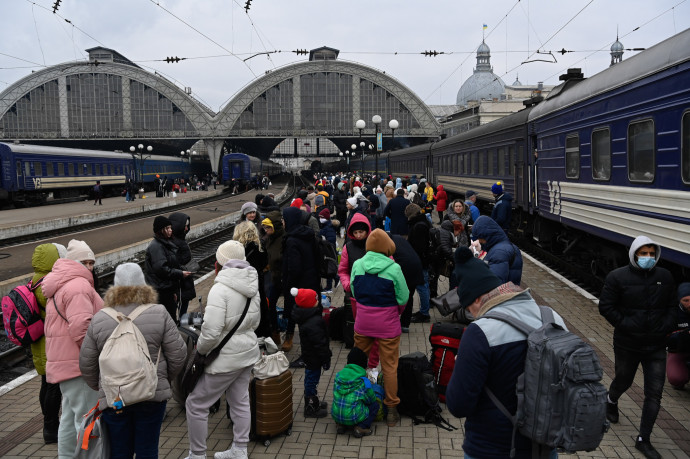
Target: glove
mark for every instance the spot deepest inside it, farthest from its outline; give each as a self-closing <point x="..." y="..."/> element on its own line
<point x="326" y="366"/>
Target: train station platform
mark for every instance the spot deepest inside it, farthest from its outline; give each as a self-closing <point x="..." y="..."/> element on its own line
<point x="21" y="420"/>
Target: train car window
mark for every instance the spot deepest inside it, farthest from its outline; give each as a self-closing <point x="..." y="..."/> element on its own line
<point x="61" y="169"/>
<point x="455" y="164"/>
<point x="512" y="160"/>
<point x="491" y="159"/>
<point x="70" y="169"/>
<point x="84" y="169"/>
<point x="18" y="168"/>
<point x="49" y="172"/>
<point x="501" y="162"/>
<point x="475" y="163"/>
<point x="641" y="151"/>
<point x="468" y="171"/>
<point x="685" y="145"/>
<point x="601" y="154"/>
<point x="38" y="169"/>
<point x="572" y="156"/>
<point x="482" y="162"/>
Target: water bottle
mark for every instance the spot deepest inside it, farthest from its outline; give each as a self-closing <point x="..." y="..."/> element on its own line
<point x="325" y="301"/>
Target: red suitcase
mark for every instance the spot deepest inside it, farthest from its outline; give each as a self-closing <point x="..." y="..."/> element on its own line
<point x="271" y="405"/>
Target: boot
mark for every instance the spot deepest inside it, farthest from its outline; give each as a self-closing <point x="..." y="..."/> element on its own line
<point x="287" y="344"/>
<point x="312" y="407"/>
<point x="275" y="336"/>
<point x="393" y="417"/>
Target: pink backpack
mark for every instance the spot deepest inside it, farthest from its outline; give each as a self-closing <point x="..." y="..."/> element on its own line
<point x="21" y="315"/>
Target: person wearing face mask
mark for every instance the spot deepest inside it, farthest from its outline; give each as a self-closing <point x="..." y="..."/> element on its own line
<point x="639" y="300"/>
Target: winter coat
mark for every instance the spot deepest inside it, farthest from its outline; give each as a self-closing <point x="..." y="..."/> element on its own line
<point x="474" y="212"/>
<point x="42" y="260"/>
<point x="395" y="209"/>
<point x="465" y="218"/>
<point x="352" y="251"/>
<point x="227" y="298"/>
<point x="351" y="396"/>
<point x="381" y="293"/>
<point x="502" y="256"/>
<point x="161" y="268"/>
<point x="156" y="326"/>
<point x="409" y="262"/>
<point x="502" y="210"/>
<point x="441" y="199"/>
<point x="300" y="254"/>
<point x="313" y="336"/>
<point x="274" y="247"/>
<point x="340" y="200"/>
<point x="69" y="290"/>
<point x="180" y="222"/>
<point x="419" y="238"/>
<point x="679" y="339"/>
<point x="383" y="202"/>
<point x="327" y="231"/>
<point x="639" y="303"/>
<point x="492" y="354"/>
<point x="448" y="242"/>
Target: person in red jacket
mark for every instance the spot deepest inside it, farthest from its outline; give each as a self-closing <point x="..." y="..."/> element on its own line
<point x="441" y="201"/>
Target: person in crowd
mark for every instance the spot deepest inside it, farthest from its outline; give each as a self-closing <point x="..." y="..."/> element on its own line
<point x="441" y="198"/>
<point x="328" y="232"/>
<point x="471" y="203"/>
<point x="268" y="204"/>
<point x="134" y="429"/>
<point x="50" y="398"/>
<point x="459" y="211"/>
<point x="235" y="283"/>
<point x="383" y="202"/>
<point x="502" y="256"/>
<point x="340" y="203"/>
<point x="427" y="192"/>
<point x="502" y="211"/>
<point x="71" y="304"/>
<point x="181" y="223"/>
<point x="247" y="235"/>
<point x="491" y="355"/>
<point x="97" y="193"/>
<point x="163" y="271"/>
<point x="320" y="204"/>
<point x="395" y="209"/>
<point x="412" y="270"/>
<point x="419" y="238"/>
<point x="678" y="343"/>
<point x="315" y="342"/>
<point x="354" y="401"/>
<point x="381" y="293"/>
<point x="309" y="219"/>
<point x="250" y="213"/>
<point x="450" y="236"/>
<point x="275" y="233"/>
<point x="300" y="264"/>
<point x="639" y="300"/>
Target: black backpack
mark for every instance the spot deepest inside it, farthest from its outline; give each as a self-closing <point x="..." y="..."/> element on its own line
<point x="328" y="259"/>
<point x="434" y="240"/>
<point x="417" y="391"/>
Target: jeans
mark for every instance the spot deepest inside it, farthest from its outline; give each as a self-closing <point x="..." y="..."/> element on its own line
<point x="654" y="369"/>
<point x="373" y="411"/>
<point x="311" y="381"/>
<point x="406" y="316"/>
<point x="423" y="291"/>
<point x="135" y="429"/>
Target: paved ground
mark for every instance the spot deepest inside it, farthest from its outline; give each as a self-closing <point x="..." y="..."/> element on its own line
<point x="21" y="420"/>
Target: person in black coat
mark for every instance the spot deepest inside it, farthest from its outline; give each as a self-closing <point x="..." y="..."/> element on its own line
<point x="395" y="209"/>
<point x="161" y="268"/>
<point x="419" y="238"/>
<point x="340" y="202"/>
<point x="181" y="223"/>
<point x="411" y="267"/>
<point x="268" y="204"/>
<point x="247" y="234"/>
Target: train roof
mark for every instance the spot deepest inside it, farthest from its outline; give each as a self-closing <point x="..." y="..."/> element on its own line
<point x="670" y="52"/>
<point x="76" y="152"/>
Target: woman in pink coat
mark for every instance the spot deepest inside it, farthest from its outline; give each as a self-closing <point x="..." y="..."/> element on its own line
<point x="71" y="303"/>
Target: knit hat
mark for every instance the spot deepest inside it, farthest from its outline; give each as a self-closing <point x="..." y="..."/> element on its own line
<point x="325" y="213"/>
<point x="160" y="222"/>
<point x="297" y="203"/>
<point x="358" y="226"/>
<point x="129" y="275"/>
<point x="340" y="185"/>
<point x="267" y="222"/>
<point x="304" y="297"/>
<point x="683" y="290"/>
<point x="229" y="250"/>
<point x="389" y="185"/>
<point x="79" y="251"/>
<point x="319" y="200"/>
<point x="379" y="241"/>
<point x="352" y="201"/>
<point x="497" y="188"/>
<point x="470" y="193"/>
<point x="412" y="210"/>
<point x="358" y="357"/>
<point x="248" y="207"/>
<point x="475" y="277"/>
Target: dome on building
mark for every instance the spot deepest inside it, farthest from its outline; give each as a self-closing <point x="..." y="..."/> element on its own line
<point x="483" y="84"/>
<point x="517" y="81"/>
<point x="617" y="47"/>
<point x="617" y="50"/>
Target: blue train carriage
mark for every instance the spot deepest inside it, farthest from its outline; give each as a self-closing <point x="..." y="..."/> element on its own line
<point x="33" y="174"/>
<point x="614" y="153"/>
<point x="243" y="168"/>
<point x="170" y="167"/>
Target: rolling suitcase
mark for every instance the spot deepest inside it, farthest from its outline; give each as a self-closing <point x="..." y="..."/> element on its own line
<point x="271" y="406"/>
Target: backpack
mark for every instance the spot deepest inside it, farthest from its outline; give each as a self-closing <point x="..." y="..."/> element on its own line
<point x="561" y="401"/>
<point x="21" y="315"/>
<point x="328" y="259"/>
<point x="417" y="391"/>
<point x="434" y="240"/>
<point x="128" y="375"/>
<point x="445" y="340"/>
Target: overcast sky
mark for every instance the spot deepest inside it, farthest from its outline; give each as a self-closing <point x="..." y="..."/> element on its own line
<point x="385" y="34"/>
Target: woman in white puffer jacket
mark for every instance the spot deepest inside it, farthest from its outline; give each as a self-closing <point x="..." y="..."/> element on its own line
<point x="235" y="281"/>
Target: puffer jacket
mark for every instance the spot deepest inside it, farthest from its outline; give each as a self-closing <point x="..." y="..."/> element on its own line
<point x="381" y="293"/>
<point x="502" y="210"/>
<point x="161" y="269"/>
<point x="313" y="336"/>
<point x="236" y="282"/>
<point x="300" y="254"/>
<point x="441" y="199"/>
<point x="352" y="251"/>
<point x="502" y="256"/>
<point x="42" y="260"/>
<point x="69" y="290"/>
<point x="155" y="324"/>
<point x="180" y="224"/>
<point x="448" y="243"/>
<point x="639" y="303"/>
<point x="351" y="396"/>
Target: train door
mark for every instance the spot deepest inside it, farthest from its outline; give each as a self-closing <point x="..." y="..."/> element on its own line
<point x="532" y="158"/>
<point x="235" y="169"/>
<point x="20" y="175"/>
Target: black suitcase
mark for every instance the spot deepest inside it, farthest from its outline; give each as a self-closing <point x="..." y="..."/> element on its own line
<point x="336" y="323"/>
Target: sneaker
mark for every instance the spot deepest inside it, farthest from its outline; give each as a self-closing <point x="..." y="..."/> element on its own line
<point x="196" y="456"/>
<point x="645" y="446"/>
<point x="418" y="318"/>
<point x="360" y="432"/>
<point x="233" y="453"/>
<point x="612" y="412"/>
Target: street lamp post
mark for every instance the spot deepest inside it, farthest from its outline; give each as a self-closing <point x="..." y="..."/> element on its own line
<point x="360" y="124"/>
<point x="140" y="149"/>
<point x="376" y="119"/>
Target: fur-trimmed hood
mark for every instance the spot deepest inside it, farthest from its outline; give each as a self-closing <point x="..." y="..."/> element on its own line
<point x="124" y="295"/>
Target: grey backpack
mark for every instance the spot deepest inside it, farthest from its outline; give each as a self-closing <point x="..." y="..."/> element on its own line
<point x="561" y="401"/>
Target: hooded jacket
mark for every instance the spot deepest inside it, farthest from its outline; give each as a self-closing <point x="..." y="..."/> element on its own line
<point x="227" y="298"/>
<point x="156" y="326"/>
<point x="161" y="268"/>
<point x="409" y="262"/>
<point x="395" y="209"/>
<point x="639" y="303"/>
<point x="180" y="224"/>
<point x="274" y="246"/>
<point x="42" y="260"/>
<point x="441" y="199"/>
<point x="502" y="210"/>
<point x="313" y="336"/>
<point x="357" y="249"/>
<point x="351" y="396"/>
<point x="300" y="253"/>
<point x="502" y="256"/>
<point x="420" y="238"/>
<point x="72" y="303"/>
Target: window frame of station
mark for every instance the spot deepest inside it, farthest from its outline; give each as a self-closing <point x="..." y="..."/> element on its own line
<point x="594" y="153"/>
<point x="685" y="147"/>
<point x="629" y="140"/>
<point x="569" y="151"/>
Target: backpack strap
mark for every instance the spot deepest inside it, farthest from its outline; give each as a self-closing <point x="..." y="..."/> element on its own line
<point x="513" y="418"/>
<point x="512" y="321"/>
<point x="132" y="315"/>
<point x="367" y="383"/>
